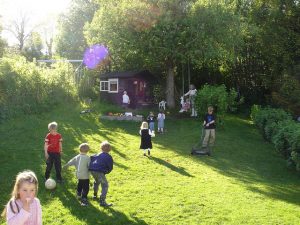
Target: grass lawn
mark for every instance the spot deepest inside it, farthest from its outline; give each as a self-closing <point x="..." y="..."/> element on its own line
<point x="244" y="182"/>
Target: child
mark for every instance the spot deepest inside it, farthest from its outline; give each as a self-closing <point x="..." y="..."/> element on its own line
<point x="145" y="133"/>
<point x="24" y="208"/>
<point x="81" y="163"/>
<point x="161" y="121"/>
<point x="53" y="149"/>
<point x="100" y="165"/>
<point x="209" y="126"/>
<point x="125" y="100"/>
<point x="151" y="121"/>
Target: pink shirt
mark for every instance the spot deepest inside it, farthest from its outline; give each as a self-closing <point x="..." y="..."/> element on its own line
<point x="34" y="217"/>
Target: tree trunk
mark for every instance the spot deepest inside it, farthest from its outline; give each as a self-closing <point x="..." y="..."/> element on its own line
<point x="170" y="87"/>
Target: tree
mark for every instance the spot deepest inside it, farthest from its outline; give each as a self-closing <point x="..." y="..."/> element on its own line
<point x="3" y="44"/>
<point x="33" y="47"/>
<point x="20" y="29"/>
<point x="164" y="33"/>
<point x="70" y="42"/>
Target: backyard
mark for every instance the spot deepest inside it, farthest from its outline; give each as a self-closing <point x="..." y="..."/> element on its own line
<point x="245" y="181"/>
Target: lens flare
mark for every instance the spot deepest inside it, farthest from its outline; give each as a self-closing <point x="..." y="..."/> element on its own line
<point x="94" y="55"/>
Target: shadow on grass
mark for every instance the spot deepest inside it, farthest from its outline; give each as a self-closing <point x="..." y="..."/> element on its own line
<point x="240" y="153"/>
<point x="176" y="169"/>
<point x="95" y="215"/>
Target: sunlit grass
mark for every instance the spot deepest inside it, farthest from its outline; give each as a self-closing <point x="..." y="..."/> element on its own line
<point x="244" y="182"/>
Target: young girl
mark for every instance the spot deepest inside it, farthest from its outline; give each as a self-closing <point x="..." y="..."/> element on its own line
<point x="151" y="121"/>
<point x="24" y="208"/>
<point x="145" y="133"/>
<point x="161" y="122"/>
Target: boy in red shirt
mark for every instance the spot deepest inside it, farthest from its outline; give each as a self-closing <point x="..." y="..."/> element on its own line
<point x="53" y="149"/>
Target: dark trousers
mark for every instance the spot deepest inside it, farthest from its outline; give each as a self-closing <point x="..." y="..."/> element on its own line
<point x="54" y="158"/>
<point x="83" y="188"/>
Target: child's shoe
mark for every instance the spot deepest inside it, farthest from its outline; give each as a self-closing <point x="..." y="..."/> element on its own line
<point x="148" y="152"/>
<point x="104" y="203"/>
<point x="144" y="154"/>
<point x="84" y="202"/>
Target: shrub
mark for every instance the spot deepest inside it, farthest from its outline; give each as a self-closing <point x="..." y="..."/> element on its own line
<point x="264" y="117"/>
<point x="218" y="97"/>
<point x="278" y="127"/>
<point x="27" y="88"/>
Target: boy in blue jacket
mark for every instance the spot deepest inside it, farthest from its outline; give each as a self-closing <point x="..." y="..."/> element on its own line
<point x="100" y="165"/>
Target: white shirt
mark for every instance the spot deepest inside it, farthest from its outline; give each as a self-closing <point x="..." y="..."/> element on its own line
<point x="125" y="99"/>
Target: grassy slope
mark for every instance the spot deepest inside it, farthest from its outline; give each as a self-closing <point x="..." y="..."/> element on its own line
<point x="245" y="182"/>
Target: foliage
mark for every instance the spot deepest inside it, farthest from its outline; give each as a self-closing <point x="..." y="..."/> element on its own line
<point x="278" y="127"/>
<point x="158" y="93"/>
<point x="288" y="95"/>
<point x="254" y="110"/>
<point x="28" y="89"/>
<point x="271" y="48"/>
<point x="216" y="96"/>
<point x="170" y="33"/>
<point x="70" y="42"/>
<point x="87" y="87"/>
<point x="266" y="116"/>
<point x="33" y="47"/>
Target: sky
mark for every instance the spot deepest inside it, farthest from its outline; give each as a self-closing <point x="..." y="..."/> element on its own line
<point x="38" y="12"/>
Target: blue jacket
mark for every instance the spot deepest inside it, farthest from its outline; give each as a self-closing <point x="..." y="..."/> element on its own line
<point x="102" y="162"/>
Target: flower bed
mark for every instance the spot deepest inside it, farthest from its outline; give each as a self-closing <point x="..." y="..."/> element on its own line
<point x="136" y="118"/>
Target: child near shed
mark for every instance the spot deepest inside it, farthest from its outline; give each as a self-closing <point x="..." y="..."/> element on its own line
<point x="161" y="121"/>
<point x="151" y="121"/>
<point x="145" y="132"/>
<point x="81" y="163"/>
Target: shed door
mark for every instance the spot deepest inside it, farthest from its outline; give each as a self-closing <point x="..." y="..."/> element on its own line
<point x="140" y="88"/>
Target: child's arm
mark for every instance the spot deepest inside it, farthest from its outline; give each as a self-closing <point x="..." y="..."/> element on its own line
<point x="72" y="162"/>
<point x="17" y="218"/>
<point x="60" y="145"/>
<point x="46" y="148"/>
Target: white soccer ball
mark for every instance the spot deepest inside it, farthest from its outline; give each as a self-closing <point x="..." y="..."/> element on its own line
<point x="50" y="184"/>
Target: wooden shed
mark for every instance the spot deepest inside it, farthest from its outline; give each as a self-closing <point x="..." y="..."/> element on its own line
<point x="138" y="85"/>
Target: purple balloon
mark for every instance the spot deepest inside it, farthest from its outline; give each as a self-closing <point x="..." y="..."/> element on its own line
<point x="94" y="55"/>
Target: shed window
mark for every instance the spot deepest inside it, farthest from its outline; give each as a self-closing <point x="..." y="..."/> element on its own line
<point x="103" y="85"/>
<point x="113" y="85"/>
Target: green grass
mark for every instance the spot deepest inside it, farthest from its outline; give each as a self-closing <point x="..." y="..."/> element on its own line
<point x="244" y="182"/>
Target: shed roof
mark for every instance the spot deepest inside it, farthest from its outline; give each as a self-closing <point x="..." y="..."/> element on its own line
<point x="128" y="74"/>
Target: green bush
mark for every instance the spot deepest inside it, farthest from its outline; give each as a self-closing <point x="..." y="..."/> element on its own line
<point x="218" y="97"/>
<point x="266" y="116"/>
<point x="28" y="89"/>
<point x="278" y="127"/>
<point x="254" y="110"/>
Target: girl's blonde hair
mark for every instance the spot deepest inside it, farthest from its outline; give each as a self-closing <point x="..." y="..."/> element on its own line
<point x="144" y="125"/>
<point x="25" y="176"/>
